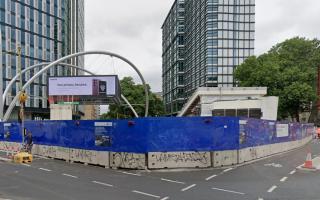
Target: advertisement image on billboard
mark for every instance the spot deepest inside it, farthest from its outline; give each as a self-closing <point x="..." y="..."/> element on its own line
<point x="84" y="88"/>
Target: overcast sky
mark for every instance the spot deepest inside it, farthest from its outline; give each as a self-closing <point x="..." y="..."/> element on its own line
<point x="132" y="28"/>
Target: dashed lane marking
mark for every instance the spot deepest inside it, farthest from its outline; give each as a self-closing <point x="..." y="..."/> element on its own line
<point x="272" y="188"/>
<point x="133" y="174"/>
<point x="226" y="170"/>
<point x="292" y="172"/>
<point x="44" y="169"/>
<point x="101" y="183"/>
<point x="189" y="187"/>
<point x="146" y="194"/>
<point x="27" y="165"/>
<point x="211" y="177"/>
<point x="69" y="175"/>
<point x="283" y="179"/>
<point x="165" y="198"/>
<point x="260" y="198"/>
<point x="230" y="191"/>
<point x="172" y="181"/>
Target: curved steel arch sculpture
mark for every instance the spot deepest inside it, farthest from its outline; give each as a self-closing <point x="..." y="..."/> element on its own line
<point x="10" y="84"/>
<point x="10" y="108"/>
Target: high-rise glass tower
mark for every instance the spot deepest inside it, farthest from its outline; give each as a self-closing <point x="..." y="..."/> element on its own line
<point x="203" y="42"/>
<point x="45" y="30"/>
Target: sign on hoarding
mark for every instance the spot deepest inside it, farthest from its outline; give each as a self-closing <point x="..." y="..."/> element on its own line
<point x="282" y="130"/>
<point x="84" y="89"/>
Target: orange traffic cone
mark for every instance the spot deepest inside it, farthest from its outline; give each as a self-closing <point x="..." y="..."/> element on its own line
<point x="308" y="163"/>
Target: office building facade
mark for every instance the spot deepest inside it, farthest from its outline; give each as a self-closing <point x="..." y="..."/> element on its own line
<point x="45" y="30"/>
<point x="203" y="42"/>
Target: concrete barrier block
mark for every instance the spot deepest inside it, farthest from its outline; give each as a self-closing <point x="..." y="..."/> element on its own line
<point x="286" y="146"/>
<point x="47" y="151"/>
<point x="35" y="149"/>
<point x="262" y="151"/>
<point x="241" y="155"/>
<point x="247" y="154"/>
<point x="190" y="159"/>
<point x="84" y="156"/>
<point x="275" y="148"/>
<point x="12" y="147"/>
<point x="103" y="158"/>
<point x="63" y="153"/>
<point x="267" y="150"/>
<point x="224" y="158"/>
<point x="127" y="160"/>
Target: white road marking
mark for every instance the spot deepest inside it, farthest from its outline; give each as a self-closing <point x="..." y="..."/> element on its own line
<point x="24" y="164"/>
<point x="165" y="198"/>
<point x="131" y="173"/>
<point x="230" y="191"/>
<point x="146" y="194"/>
<point x="292" y="172"/>
<point x="272" y="188"/>
<point x="273" y="165"/>
<point x="226" y="170"/>
<point x="283" y="179"/>
<point x="69" y="175"/>
<point x="172" y="181"/>
<point x="104" y="184"/>
<point x="211" y="177"/>
<point x="189" y="187"/>
<point x="44" y="169"/>
<point x="260" y="198"/>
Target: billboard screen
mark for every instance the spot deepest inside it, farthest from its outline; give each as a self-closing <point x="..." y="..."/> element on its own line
<point x="84" y="89"/>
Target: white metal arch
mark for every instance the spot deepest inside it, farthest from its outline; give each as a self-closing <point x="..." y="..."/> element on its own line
<point x="10" y="108"/>
<point x="13" y="80"/>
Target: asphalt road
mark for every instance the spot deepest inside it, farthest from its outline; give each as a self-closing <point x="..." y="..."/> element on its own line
<point x="271" y="178"/>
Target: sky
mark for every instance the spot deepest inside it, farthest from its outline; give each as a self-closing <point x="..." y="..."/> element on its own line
<point x="132" y="28"/>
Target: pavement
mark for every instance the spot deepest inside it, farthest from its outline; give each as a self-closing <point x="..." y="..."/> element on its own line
<point x="272" y="178"/>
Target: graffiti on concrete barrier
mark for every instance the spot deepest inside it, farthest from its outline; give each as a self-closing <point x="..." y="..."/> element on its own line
<point x="128" y="160"/>
<point x="184" y="157"/>
<point x="10" y="146"/>
<point x="48" y="151"/>
<point x="83" y="155"/>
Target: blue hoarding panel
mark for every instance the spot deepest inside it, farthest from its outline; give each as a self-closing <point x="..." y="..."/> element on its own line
<point x="144" y="135"/>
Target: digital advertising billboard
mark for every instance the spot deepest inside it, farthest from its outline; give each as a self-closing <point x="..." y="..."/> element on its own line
<point x="84" y="89"/>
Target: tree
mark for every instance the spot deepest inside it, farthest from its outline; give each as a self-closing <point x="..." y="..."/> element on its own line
<point x="136" y="96"/>
<point x="289" y="71"/>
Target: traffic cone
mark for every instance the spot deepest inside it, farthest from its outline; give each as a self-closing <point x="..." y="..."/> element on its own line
<point x="308" y="163"/>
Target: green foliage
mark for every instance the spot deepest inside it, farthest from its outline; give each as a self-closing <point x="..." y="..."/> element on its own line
<point x="136" y="96"/>
<point x="289" y="71"/>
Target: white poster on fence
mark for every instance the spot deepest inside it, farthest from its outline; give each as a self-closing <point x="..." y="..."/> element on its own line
<point x="282" y="130"/>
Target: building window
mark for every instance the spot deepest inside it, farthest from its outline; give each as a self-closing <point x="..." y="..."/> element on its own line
<point x="212" y="78"/>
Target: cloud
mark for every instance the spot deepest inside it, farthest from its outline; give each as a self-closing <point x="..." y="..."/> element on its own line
<point x="132" y="28"/>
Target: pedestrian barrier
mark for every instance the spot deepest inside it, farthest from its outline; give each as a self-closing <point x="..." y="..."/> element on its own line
<point x="157" y="143"/>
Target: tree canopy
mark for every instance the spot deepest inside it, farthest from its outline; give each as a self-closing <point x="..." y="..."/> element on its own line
<point x="289" y="70"/>
<point x="136" y="96"/>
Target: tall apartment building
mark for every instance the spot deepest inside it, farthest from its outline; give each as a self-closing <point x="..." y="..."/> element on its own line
<point x="45" y="30"/>
<point x="203" y="42"/>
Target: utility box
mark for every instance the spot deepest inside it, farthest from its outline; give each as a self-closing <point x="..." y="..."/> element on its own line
<point x="60" y="112"/>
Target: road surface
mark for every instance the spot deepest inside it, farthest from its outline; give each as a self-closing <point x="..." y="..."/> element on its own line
<point x="272" y="178"/>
